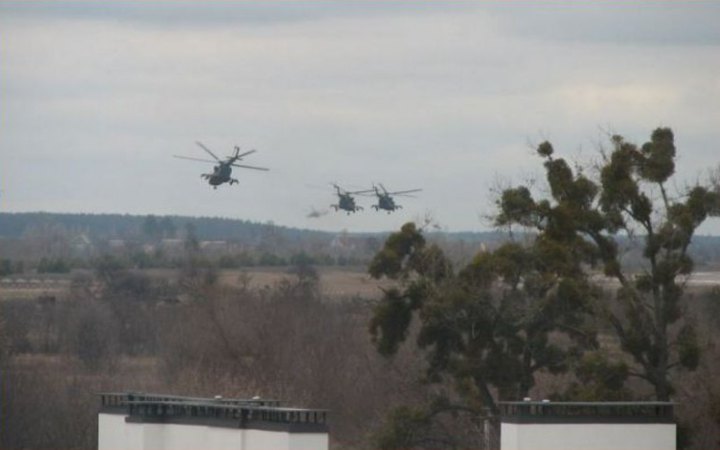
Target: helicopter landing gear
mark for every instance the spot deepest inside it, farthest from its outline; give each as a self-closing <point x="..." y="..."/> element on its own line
<point x="233" y="181"/>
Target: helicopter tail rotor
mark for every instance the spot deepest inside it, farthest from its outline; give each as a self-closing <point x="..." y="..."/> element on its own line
<point x="239" y="155"/>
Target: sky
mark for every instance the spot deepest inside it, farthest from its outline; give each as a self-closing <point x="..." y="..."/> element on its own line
<point x="450" y="97"/>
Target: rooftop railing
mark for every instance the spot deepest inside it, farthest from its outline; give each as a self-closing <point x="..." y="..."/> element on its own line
<point x="546" y="411"/>
<point x="255" y="412"/>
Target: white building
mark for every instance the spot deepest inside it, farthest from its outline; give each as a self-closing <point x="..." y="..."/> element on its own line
<point x="587" y="426"/>
<point x="130" y="421"/>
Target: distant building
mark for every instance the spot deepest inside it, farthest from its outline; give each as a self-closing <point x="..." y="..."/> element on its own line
<point x="172" y="244"/>
<point x="116" y="244"/>
<point x="344" y="242"/>
<point x="81" y="244"/>
<point x="587" y="426"/>
<point x="146" y="421"/>
<point x="213" y="246"/>
<point x="172" y="247"/>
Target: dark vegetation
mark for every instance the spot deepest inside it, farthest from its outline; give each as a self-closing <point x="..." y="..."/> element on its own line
<point x="533" y="307"/>
<point x="57" y="243"/>
<point x="468" y="320"/>
<point x="50" y="243"/>
<point x="124" y="226"/>
<point x="122" y="330"/>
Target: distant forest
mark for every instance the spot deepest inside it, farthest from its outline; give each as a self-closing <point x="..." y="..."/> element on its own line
<point x="125" y="226"/>
<point x="105" y="227"/>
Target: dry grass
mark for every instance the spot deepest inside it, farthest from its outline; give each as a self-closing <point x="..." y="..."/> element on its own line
<point x="30" y="293"/>
<point x="335" y="282"/>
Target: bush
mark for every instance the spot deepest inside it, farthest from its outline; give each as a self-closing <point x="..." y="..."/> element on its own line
<point x="9" y="267"/>
<point x="58" y="265"/>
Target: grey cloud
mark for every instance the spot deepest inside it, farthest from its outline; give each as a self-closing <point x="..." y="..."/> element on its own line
<point x="664" y="23"/>
<point x="220" y="13"/>
<point x="432" y="100"/>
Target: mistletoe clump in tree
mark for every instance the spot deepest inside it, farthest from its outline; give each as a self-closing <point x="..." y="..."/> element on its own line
<point x="585" y="220"/>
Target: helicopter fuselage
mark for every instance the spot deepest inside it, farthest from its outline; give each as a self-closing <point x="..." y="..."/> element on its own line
<point x="387" y="203"/>
<point x="222" y="170"/>
<point x="346" y="203"/>
<point x="221" y="174"/>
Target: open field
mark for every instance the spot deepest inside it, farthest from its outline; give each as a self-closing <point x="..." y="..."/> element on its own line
<point x="335" y="282"/>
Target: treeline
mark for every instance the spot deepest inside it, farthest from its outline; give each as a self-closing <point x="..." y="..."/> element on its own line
<point x="268" y="237"/>
<point x="141" y="260"/>
<point x="124" y="226"/>
<point x="55" y="243"/>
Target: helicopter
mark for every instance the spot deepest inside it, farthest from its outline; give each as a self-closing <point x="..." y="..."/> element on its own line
<point x="346" y="202"/>
<point x="385" y="198"/>
<point x="223" y="169"/>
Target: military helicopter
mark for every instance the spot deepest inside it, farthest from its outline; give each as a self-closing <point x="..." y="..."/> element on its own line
<point x="346" y="202"/>
<point x="223" y="169"/>
<point x="385" y="198"/>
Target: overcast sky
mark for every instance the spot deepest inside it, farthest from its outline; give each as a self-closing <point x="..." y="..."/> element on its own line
<point x="95" y="98"/>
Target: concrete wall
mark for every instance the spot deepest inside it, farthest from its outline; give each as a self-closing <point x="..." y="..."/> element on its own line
<point x="587" y="436"/>
<point x="114" y="433"/>
<point x="309" y="441"/>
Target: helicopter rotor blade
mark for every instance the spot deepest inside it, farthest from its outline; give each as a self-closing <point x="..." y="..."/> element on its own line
<point x="241" y="155"/>
<point x="405" y="195"/>
<point x="365" y="191"/>
<point x="250" y="167"/>
<point x="200" y="144"/>
<point x="195" y="159"/>
<point x="405" y="192"/>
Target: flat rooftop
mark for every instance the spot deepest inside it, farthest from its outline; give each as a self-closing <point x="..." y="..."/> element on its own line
<point x="254" y="413"/>
<point x="586" y="412"/>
